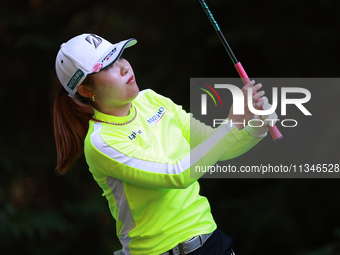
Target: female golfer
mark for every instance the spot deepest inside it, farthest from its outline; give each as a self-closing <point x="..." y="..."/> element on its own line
<point x="140" y="146"/>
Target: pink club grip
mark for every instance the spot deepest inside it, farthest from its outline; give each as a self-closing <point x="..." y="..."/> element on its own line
<point x="274" y="131"/>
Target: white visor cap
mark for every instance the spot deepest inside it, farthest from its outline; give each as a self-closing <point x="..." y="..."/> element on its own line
<point x="86" y="54"/>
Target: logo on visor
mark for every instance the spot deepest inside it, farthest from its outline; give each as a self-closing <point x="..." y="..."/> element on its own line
<point x="75" y="79"/>
<point x="108" y="56"/>
<point x="94" y="40"/>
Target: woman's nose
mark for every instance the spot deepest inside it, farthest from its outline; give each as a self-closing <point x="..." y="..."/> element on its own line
<point x="124" y="69"/>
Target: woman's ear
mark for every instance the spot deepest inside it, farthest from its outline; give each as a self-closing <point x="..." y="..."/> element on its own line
<point x="85" y="91"/>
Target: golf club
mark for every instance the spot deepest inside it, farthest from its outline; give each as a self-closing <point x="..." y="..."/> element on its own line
<point x="274" y="131"/>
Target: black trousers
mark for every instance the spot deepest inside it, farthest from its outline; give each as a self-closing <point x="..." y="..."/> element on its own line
<point x="217" y="244"/>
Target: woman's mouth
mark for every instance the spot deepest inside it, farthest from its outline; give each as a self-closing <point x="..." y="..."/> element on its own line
<point x="131" y="80"/>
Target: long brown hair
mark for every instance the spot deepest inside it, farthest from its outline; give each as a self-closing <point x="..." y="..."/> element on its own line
<point x="70" y="123"/>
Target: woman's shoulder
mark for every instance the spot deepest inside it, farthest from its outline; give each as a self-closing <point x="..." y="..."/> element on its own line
<point x="153" y="97"/>
<point x="147" y="93"/>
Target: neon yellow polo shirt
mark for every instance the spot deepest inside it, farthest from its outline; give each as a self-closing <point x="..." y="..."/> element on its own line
<point x="142" y="162"/>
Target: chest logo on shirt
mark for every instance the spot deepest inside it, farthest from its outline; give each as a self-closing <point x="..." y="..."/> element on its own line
<point x="134" y="134"/>
<point x="157" y="117"/>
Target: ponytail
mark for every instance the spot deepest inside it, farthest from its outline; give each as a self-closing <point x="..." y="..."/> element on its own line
<point x="70" y="122"/>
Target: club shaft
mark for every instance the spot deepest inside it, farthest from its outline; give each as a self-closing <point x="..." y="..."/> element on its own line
<point x="274" y="131"/>
<point x="219" y="32"/>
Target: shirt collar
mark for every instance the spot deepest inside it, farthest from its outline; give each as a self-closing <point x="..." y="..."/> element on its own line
<point x="115" y="119"/>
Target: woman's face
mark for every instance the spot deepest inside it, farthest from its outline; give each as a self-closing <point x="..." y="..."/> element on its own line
<point x="115" y="86"/>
